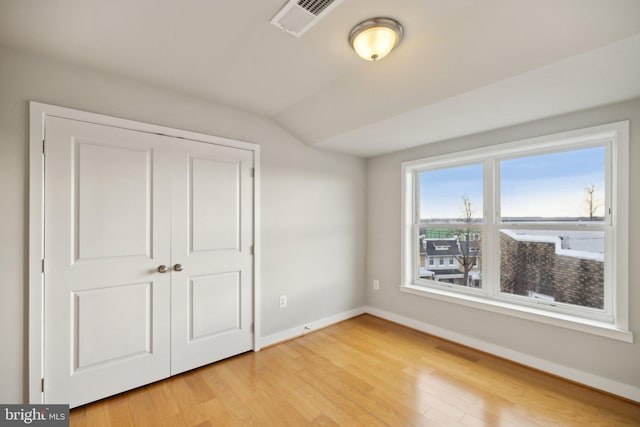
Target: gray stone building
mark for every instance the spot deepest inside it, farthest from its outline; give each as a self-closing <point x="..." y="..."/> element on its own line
<point x="542" y="267"/>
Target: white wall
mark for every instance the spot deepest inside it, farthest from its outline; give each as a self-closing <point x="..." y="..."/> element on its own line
<point x="605" y="358"/>
<point x="312" y="201"/>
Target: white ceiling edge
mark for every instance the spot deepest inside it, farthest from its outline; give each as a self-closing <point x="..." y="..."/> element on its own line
<point x="599" y="77"/>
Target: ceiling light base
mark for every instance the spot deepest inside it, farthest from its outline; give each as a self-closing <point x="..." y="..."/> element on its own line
<point x="374" y="38"/>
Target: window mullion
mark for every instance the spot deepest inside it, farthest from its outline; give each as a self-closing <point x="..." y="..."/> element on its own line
<point x="489" y="270"/>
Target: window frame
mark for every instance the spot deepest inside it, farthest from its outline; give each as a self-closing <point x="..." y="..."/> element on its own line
<point x="613" y="321"/>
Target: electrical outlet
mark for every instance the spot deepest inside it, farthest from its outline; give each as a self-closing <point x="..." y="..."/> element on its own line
<point x="376" y="285"/>
<point x="283" y="301"/>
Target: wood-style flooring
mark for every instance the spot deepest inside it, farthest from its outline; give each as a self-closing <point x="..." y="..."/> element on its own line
<point x="361" y="372"/>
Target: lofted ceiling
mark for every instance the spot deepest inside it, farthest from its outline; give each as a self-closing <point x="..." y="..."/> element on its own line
<point x="464" y="66"/>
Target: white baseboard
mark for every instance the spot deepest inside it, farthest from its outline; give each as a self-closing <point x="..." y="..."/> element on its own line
<point x="610" y="386"/>
<point x="308" y="327"/>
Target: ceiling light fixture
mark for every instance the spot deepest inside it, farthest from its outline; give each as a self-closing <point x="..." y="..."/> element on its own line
<point x="374" y="38"/>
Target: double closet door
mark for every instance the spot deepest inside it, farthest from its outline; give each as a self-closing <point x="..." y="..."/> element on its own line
<point x="148" y="258"/>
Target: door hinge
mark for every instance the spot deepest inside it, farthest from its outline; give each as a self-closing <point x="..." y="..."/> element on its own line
<point x="42" y="385"/>
<point x="43" y="265"/>
<point x="253" y="172"/>
<point x="43" y="146"/>
<point x="251" y="250"/>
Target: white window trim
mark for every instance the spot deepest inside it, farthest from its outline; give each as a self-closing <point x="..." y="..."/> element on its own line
<point x="618" y="201"/>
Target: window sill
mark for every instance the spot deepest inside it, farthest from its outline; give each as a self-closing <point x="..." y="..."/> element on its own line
<point x="556" y="319"/>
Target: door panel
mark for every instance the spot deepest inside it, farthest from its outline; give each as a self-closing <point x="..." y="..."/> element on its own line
<point x="214" y="184"/>
<point x="113" y="205"/>
<point x="206" y="316"/>
<point x="103" y="335"/>
<point x="106" y="306"/>
<point x="212" y="234"/>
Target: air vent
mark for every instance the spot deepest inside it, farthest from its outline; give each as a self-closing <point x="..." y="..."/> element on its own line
<point x="298" y="16"/>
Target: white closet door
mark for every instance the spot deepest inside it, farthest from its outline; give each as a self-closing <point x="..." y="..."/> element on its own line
<point x="107" y="229"/>
<point x="212" y="235"/>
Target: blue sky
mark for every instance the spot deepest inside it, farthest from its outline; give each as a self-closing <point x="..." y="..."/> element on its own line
<point x="441" y="191"/>
<point x="550" y="185"/>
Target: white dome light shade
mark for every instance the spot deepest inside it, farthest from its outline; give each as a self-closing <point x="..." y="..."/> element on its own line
<point x="374" y="38"/>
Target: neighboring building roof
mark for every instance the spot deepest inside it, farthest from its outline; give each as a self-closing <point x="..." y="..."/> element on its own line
<point x="440" y="247"/>
<point x="474" y="247"/>
<point x="591" y="246"/>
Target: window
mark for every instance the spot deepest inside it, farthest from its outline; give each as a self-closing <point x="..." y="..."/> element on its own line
<point x="548" y="260"/>
<point x="537" y="228"/>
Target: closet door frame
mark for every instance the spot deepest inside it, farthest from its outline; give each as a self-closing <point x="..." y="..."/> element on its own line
<point x="38" y="113"/>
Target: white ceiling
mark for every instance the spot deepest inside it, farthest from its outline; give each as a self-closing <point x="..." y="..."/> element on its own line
<point x="465" y="66"/>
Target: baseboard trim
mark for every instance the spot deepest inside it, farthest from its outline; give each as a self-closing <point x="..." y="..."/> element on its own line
<point x="594" y="381"/>
<point x="309" y="327"/>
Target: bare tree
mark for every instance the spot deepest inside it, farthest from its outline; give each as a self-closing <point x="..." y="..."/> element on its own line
<point x="468" y="256"/>
<point x="467" y="211"/>
<point x="591" y="202"/>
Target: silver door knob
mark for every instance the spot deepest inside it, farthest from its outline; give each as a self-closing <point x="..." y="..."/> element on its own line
<point x="177" y="267"/>
<point x="162" y="269"/>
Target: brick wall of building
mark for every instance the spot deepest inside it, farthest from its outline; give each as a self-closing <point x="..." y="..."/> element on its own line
<point x="535" y="266"/>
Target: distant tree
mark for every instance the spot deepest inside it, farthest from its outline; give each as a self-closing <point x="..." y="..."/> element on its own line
<point x="467" y="211"/>
<point x="592" y="204"/>
<point x="468" y="256"/>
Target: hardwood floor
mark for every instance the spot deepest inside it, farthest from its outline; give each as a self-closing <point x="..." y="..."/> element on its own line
<point x="362" y="372"/>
